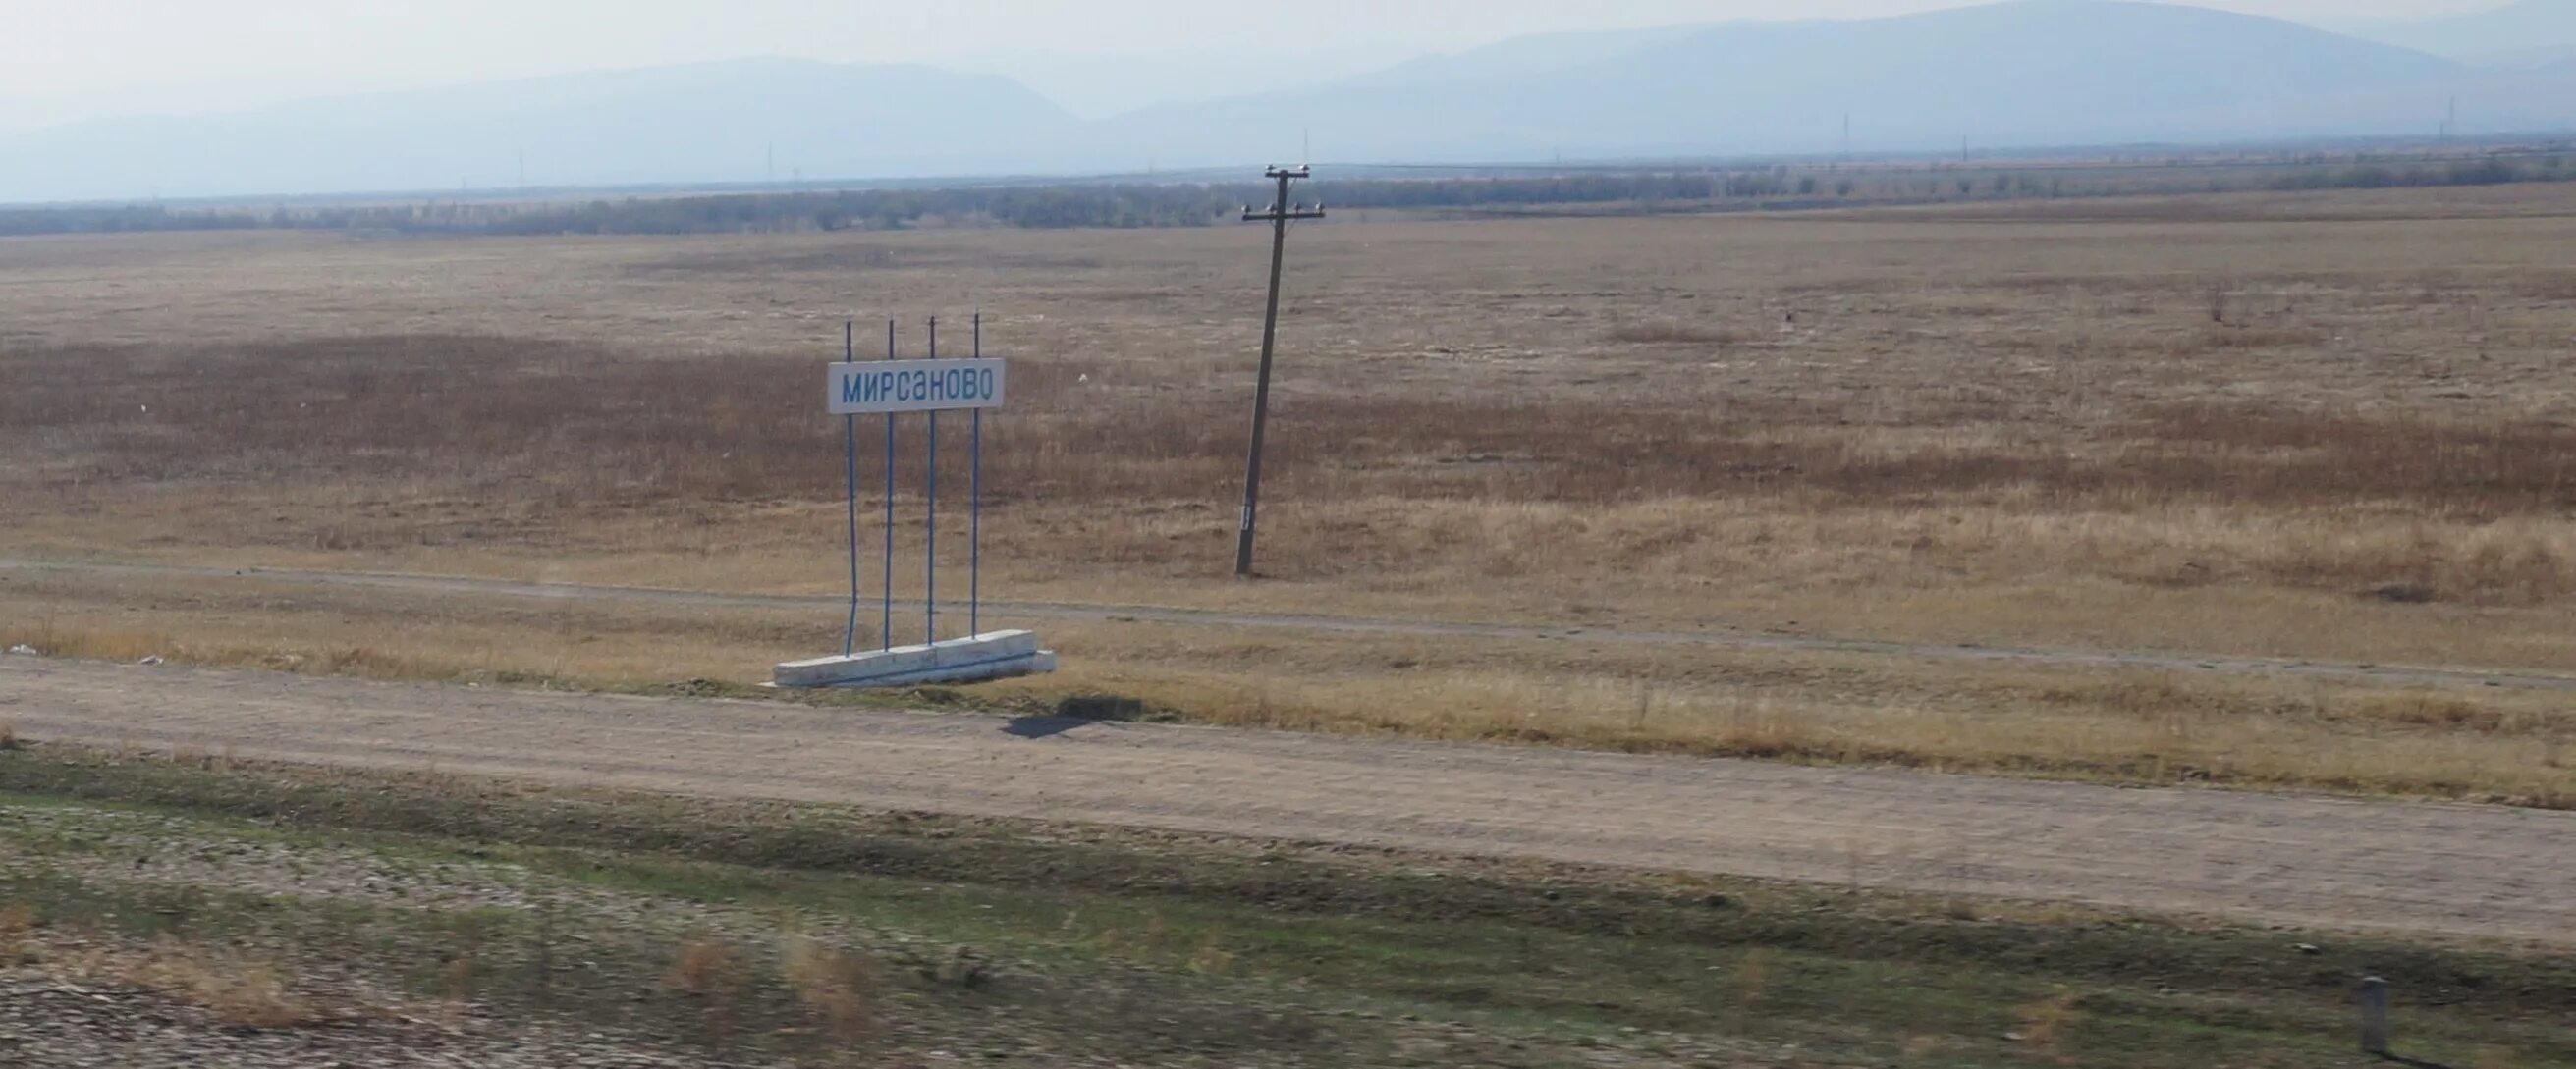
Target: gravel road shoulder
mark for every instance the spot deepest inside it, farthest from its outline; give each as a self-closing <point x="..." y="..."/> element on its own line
<point x="2451" y="869"/>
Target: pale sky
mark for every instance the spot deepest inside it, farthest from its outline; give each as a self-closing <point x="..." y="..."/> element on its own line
<point x="62" y="59"/>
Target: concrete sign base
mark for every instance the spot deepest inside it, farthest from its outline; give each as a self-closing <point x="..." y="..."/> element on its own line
<point x="994" y="655"/>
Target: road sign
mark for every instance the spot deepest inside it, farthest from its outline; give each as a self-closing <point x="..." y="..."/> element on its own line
<point x="913" y="386"/>
<point x="890" y="388"/>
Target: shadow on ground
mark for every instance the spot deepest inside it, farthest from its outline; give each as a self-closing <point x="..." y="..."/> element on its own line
<point x="1078" y="710"/>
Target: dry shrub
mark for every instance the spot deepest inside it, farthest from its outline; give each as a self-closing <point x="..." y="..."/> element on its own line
<point x="836" y="987"/>
<point x="710" y="975"/>
<point x="2044" y="1022"/>
<point x="17" y="919"/>
<point x="1753" y="976"/>
<point x="2173" y="700"/>
<point x="1211" y="956"/>
<point x="964" y="968"/>
<point x="2134" y="693"/>
<point x="2440" y="712"/>
<point x="1755" y="728"/>
<point x="704" y="968"/>
<point x="369" y="662"/>
<point x="239" y="992"/>
<point x="456" y="979"/>
<point x="9" y="739"/>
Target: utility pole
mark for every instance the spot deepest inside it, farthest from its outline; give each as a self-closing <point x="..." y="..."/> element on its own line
<point x="1281" y="211"/>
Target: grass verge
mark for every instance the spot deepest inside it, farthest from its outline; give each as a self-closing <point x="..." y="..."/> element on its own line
<point x="2492" y="745"/>
<point x="789" y="929"/>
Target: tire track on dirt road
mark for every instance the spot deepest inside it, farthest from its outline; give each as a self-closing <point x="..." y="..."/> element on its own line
<point x="2455" y="870"/>
<point x="1015" y="611"/>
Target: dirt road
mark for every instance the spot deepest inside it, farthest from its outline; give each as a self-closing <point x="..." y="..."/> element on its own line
<point x="2460" y="870"/>
<point x="1015" y="612"/>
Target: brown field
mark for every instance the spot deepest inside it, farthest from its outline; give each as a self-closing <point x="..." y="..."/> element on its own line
<point x="2331" y="426"/>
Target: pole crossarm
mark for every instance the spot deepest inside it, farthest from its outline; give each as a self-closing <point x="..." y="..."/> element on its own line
<point x="1281" y="211"/>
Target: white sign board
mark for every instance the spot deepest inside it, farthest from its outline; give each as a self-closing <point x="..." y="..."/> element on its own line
<point x="913" y="386"/>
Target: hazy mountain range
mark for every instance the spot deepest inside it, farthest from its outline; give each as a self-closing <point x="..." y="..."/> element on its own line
<point x="2524" y="28"/>
<point x="2020" y="74"/>
<point x="695" y="123"/>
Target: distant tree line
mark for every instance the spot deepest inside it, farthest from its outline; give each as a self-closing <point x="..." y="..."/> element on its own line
<point x="1037" y="207"/>
<point x="2490" y="171"/>
<point x="118" y="220"/>
<point x="1128" y="205"/>
<point x="1124" y="205"/>
<point x="1137" y="204"/>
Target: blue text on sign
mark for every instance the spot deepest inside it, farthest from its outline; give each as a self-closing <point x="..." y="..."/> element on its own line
<point x="914" y="386"/>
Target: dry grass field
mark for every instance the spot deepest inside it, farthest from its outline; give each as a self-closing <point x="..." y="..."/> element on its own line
<point x="2338" y="426"/>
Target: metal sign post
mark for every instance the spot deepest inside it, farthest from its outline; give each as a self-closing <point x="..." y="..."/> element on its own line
<point x="850" y="478"/>
<point x="885" y="623"/>
<point x="975" y="504"/>
<point x="930" y="525"/>
<point x="892" y="387"/>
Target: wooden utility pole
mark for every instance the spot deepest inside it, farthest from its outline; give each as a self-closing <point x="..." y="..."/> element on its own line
<point x="1281" y="211"/>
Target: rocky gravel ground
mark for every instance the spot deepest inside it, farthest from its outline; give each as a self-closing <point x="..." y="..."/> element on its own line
<point x="58" y="1024"/>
